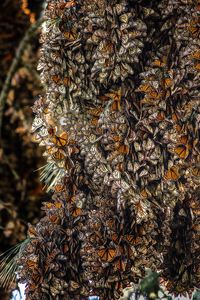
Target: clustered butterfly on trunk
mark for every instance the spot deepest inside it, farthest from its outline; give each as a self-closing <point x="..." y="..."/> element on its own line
<point x="119" y="123"/>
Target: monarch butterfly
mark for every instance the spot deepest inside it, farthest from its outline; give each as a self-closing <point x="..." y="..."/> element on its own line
<point x="140" y="209"/>
<point x="120" y="265"/>
<point x="96" y="226"/>
<point x="107" y="254"/>
<point x="65" y="248"/>
<point x="75" y="211"/>
<point x="36" y="277"/>
<point x="113" y="155"/>
<point x="116" y="138"/>
<point x="150" y="100"/>
<point x="130" y="239"/>
<point x="196" y="171"/>
<point x="95" y="237"/>
<point x="144" y="193"/>
<point x="58" y="110"/>
<point x="116" y="238"/>
<point x="110" y="223"/>
<point x="181" y="127"/>
<point x="123" y="149"/>
<point x="66" y="81"/>
<point x="126" y="251"/>
<point x="58" y="155"/>
<point x="57" y="204"/>
<point x="196" y="212"/>
<point x="69" y="4"/>
<point x="103" y="98"/>
<point x="124" y="17"/>
<point x="120" y="167"/>
<point x="184" y="139"/>
<point x="48" y="205"/>
<point x="134" y="34"/>
<point x="50" y="257"/>
<point x="51" y="131"/>
<point x="141" y="231"/>
<point x="56" y="78"/>
<point x="167" y="82"/>
<point x="172" y="173"/>
<point x="95" y="111"/>
<point x="155" y="94"/>
<point x="144" y="88"/>
<point x="60" y="140"/>
<point x="32" y="264"/>
<point x="32" y="233"/>
<point x="31" y="287"/>
<point x="51" y="6"/>
<point x="158" y="63"/>
<point x="37" y="123"/>
<point x="59" y="188"/>
<point x="73" y="285"/>
<point x="105" y="47"/>
<point x="194" y="204"/>
<point x="196" y="55"/>
<point x="175" y="117"/>
<point x="182" y="151"/>
<point x="116" y="106"/>
<point x="196" y="227"/>
<point x="54" y="219"/>
<point x="70" y="35"/>
<point x="71" y="199"/>
<point x="197" y="66"/>
<point x="193" y="27"/>
<point x="115" y="95"/>
<point x="160" y="116"/>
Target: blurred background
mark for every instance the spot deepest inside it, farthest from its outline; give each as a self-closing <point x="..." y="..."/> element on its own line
<point x="21" y="192"/>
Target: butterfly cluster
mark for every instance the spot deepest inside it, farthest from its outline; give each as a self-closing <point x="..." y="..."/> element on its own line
<point x="119" y="123"/>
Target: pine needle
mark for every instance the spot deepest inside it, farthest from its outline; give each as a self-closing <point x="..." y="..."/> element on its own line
<point x="8" y="264"/>
<point x="51" y="175"/>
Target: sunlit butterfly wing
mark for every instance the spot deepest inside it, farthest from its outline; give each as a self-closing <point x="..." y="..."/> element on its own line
<point x="172" y="174"/>
<point x="182" y="151"/>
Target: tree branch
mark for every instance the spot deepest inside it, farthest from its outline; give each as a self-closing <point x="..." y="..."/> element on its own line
<point x="20" y="50"/>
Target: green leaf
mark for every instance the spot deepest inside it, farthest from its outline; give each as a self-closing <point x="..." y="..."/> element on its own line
<point x="150" y="284"/>
<point x="196" y="295"/>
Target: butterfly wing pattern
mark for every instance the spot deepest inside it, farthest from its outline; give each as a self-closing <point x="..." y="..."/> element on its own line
<point x="119" y="123"/>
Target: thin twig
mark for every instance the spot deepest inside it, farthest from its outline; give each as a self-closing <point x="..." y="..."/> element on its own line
<point x="15" y="174"/>
<point x="33" y="72"/>
<point x="20" y="50"/>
